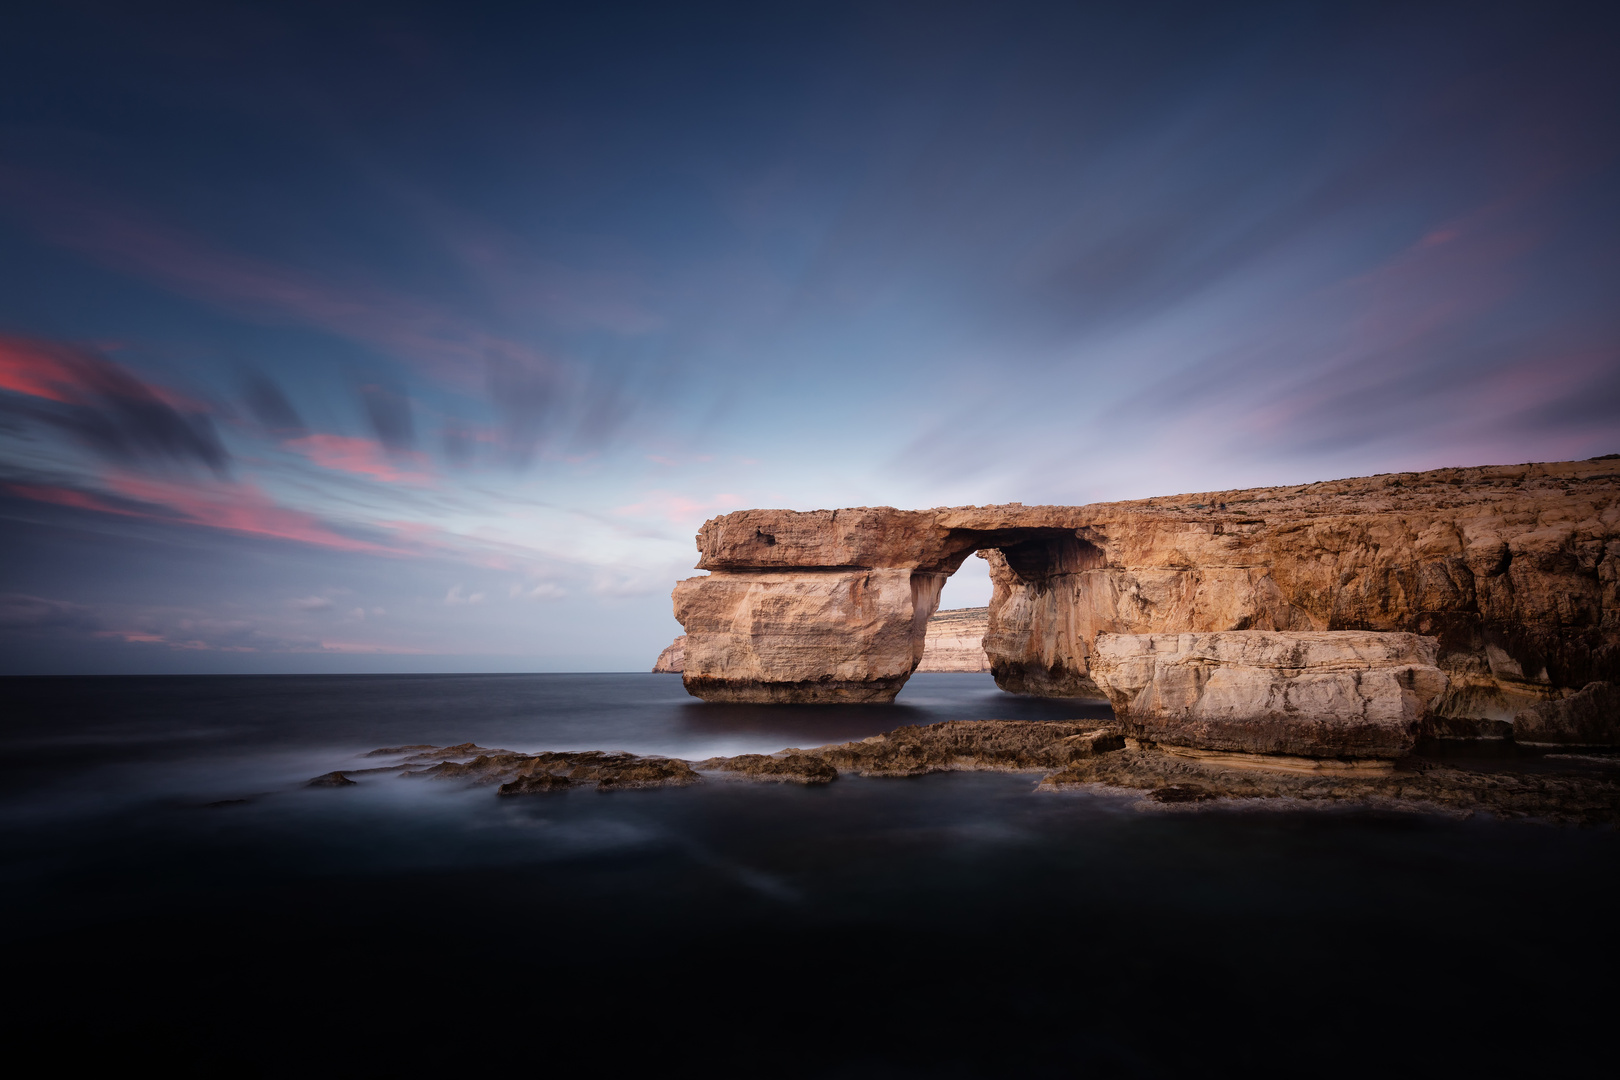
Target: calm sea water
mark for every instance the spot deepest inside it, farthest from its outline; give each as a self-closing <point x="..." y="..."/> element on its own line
<point x="174" y="897"/>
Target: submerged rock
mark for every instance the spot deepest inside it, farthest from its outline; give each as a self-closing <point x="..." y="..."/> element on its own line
<point x="1586" y="797"/>
<point x="331" y="779"/>
<point x="535" y="784"/>
<point x="972" y="744"/>
<point x="519" y="774"/>
<point x="789" y="766"/>
<point x="1583" y="789"/>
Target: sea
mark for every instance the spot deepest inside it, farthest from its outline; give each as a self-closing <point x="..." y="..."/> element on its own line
<point x="176" y="902"/>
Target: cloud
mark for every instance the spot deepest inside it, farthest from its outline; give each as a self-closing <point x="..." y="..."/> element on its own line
<point x="239" y="508"/>
<point x="679" y="509"/>
<point x="271" y="408"/>
<point x="364" y="457"/>
<point x="38" y="616"/>
<point x="104" y="407"/>
<point x="545" y="590"/>
<point x="117" y="234"/>
<point x="389" y="411"/>
<point x="455" y="597"/>
<point x="310" y="603"/>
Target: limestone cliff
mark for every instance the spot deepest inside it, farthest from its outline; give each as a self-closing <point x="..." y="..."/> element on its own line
<point x="954" y="641"/>
<point x="1514" y="569"/>
<point x="1345" y="693"/>
<point x="673" y="659"/>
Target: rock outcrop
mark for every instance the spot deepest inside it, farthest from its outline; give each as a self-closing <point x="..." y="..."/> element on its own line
<point x="524" y="774"/>
<point x="1579" y="793"/>
<point x="1317" y="694"/>
<point x="1579" y="788"/>
<point x="1515" y="570"/>
<point x="672" y="660"/>
<point x="954" y="641"/>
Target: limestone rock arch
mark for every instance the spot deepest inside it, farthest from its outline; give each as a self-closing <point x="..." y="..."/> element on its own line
<point x="1514" y="569"/>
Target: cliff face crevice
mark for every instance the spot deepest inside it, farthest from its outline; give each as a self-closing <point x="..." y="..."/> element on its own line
<point x="1515" y="570"/>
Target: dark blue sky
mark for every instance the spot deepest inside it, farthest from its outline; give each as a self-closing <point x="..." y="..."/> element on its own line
<point x="338" y="337"/>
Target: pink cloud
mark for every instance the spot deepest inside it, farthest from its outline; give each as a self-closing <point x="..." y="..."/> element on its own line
<point x="72" y="375"/>
<point x="677" y="508"/>
<point x="38" y="369"/>
<point x="238" y="508"/>
<point x="365" y="457"/>
<point x="65" y="496"/>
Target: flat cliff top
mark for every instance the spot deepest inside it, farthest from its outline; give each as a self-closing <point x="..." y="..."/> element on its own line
<point x="1502" y="498"/>
<point x="1473" y="489"/>
<point x="964" y="618"/>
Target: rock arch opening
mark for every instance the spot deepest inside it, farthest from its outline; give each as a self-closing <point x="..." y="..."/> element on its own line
<point x="833" y="606"/>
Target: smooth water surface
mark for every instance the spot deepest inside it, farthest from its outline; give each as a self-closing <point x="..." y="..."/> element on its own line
<point x="173" y="893"/>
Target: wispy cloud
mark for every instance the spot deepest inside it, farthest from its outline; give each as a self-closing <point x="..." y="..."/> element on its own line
<point x="104" y="407"/>
<point x="456" y="597"/>
<point x="363" y="457"/>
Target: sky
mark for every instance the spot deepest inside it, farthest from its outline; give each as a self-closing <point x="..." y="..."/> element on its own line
<point x="399" y="337"/>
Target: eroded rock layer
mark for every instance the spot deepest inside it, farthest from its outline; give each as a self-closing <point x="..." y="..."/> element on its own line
<point x="955" y="641"/>
<point x="1515" y="570"/>
<point x="672" y="661"/>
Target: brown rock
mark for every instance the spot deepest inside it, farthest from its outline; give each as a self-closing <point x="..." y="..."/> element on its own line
<point x="813" y="636"/>
<point x="1316" y="694"/>
<point x="1515" y="569"/>
<point x="672" y="660"/>
<point x="972" y="744"/>
<point x="786" y="767"/>
<point x="331" y="779"/>
<point x="1579" y="796"/>
<point x="647" y="772"/>
<point x="520" y="774"/>
<point x="538" y="783"/>
<point x="954" y="641"/>
<point x="1589" y="717"/>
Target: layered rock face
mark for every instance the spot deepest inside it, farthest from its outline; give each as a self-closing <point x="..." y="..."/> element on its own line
<point x="954" y="641"/>
<point x="817" y="636"/>
<point x="1515" y="570"/>
<point x="672" y="661"/>
<point x="1316" y="694"/>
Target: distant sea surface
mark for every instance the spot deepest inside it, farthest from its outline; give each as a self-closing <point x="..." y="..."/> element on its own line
<point x="175" y="900"/>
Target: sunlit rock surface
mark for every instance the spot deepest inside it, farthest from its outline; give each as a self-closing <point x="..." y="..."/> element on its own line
<point x="673" y="659"/>
<point x="1315" y="694"/>
<point x="817" y="635"/>
<point x="1515" y="570"/>
<point x="955" y="641"/>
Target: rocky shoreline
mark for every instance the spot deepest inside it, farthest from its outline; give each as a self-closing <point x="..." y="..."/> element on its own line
<point x="1569" y="788"/>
